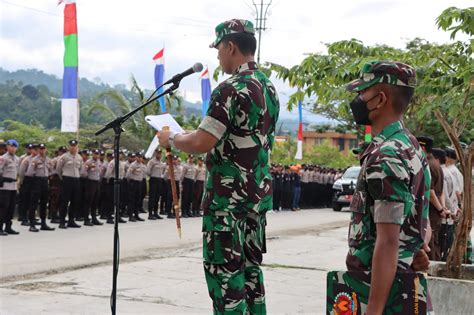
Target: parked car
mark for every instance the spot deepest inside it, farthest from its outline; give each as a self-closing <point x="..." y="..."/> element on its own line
<point x="344" y="188"/>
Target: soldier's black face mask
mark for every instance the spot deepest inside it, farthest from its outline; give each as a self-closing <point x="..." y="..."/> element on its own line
<point x="360" y="111"/>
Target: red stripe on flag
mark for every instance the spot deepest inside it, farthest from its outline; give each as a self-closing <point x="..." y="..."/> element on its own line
<point x="205" y="72"/>
<point x="159" y="54"/>
<point x="70" y="19"/>
<point x="300" y="132"/>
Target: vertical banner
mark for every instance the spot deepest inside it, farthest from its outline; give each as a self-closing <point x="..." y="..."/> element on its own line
<point x="205" y="91"/>
<point x="159" y="59"/>
<point x="299" y="150"/>
<point x="368" y="133"/>
<point x="69" y="103"/>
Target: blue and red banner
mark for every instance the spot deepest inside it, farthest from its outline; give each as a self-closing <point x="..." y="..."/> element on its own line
<point x="205" y="91"/>
<point x="159" y="59"/>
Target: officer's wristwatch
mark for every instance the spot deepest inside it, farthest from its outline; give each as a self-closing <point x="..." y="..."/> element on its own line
<point x="171" y="136"/>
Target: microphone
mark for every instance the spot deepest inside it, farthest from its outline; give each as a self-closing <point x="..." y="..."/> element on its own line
<point x="196" y="68"/>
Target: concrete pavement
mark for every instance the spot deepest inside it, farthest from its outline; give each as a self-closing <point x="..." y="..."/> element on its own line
<point x="69" y="271"/>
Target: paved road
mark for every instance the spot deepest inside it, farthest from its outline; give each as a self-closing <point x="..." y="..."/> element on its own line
<point x="69" y="271"/>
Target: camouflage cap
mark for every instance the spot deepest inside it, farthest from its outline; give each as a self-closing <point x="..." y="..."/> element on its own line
<point x="233" y="26"/>
<point x="388" y="72"/>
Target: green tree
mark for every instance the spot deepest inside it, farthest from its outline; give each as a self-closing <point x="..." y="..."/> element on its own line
<point x="443" y="95"/>
<point x="112" y="103"/>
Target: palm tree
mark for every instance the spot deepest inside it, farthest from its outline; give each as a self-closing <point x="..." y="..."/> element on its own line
<point x="136" y="123"/>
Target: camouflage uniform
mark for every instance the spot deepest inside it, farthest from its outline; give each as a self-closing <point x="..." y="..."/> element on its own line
<point x="393" y="187"/>
<point x="238" y="191"/>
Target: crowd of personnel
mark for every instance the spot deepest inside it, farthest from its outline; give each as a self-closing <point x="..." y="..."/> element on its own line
<point x="304" y="186"/>
<point x="75" y="185"/>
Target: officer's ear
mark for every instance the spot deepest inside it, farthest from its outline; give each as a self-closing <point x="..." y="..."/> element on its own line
<point x="232" y="47"/>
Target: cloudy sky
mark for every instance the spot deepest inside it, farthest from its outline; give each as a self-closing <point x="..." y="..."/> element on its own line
<point x="118" y="38"/>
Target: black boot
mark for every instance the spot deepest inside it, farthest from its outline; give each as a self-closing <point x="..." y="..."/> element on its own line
<point x="157" y="216"/>
<point x="73" y="224"/>
<point x="45" y="227"/>
<point x="137" y="217"/>
<point x="151" y="216"/>
<point x="2" y="232"/>
<point x="121" y="220"/>
<point x="88" y="222"/>
<point x="96" y="222"/>
<point x="33" y="229"/>
<point x="62" y="225"/>
<point x="9" y="230"/>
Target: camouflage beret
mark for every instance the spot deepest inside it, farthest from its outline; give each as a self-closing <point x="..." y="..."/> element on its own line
<point x="233" y="26"/>
<point x="388" y="72"/>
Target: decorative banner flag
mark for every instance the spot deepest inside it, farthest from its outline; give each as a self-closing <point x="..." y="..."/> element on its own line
<point x="299" y="150"/>
<point x="159" y="59"/>
<point x="205" y="91"/>
<point x="368" y="133"/>
<point x="69" y="103"/>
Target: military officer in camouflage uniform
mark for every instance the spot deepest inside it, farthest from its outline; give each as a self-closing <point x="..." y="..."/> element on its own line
<point x="390" y="205"/>
<point x="9" y="164"/>
<point x="238" y="134"/>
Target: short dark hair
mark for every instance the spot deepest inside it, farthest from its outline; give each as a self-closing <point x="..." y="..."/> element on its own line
<point x="247" y="43"/>
<point x="402" y="96"/>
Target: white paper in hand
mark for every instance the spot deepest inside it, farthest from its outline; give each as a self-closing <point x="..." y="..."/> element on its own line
<point x="151" y="149"/>
<point x="160" y="121"/>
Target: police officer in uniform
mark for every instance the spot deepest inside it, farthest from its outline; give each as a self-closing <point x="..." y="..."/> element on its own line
<point x="110" y="175"/>
<point x="9" y="164"/>
<point x="177" y="176"/>
<point x="198" y="187"/>
<point x="54" y="186"/>
<point x="82" y="182"/>
<point x="68" y="168"/>
<point x="3" y="148"/>
<point x="26" y="182"/>
<point x="437" y="210"/>
<point x="92" y="189"/>
<point x="38" y="169"/>
<point x="134" y="177"/>
<point x="155" y="168"/>
<point x="187" y="179"/>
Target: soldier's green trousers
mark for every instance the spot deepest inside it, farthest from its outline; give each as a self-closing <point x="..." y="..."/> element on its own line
<point x="232" y="252"/>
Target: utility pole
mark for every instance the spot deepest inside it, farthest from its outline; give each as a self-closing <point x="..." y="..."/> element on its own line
<point x="261" y="22"/>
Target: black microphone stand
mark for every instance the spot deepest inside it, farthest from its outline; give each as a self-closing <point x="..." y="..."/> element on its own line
<point x="116" y="125"/>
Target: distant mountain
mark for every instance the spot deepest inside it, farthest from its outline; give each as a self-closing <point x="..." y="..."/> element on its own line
<point x="287" y="123"/>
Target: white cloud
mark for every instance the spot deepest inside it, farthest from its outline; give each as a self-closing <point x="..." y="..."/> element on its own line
<point x="117" y="38"/>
